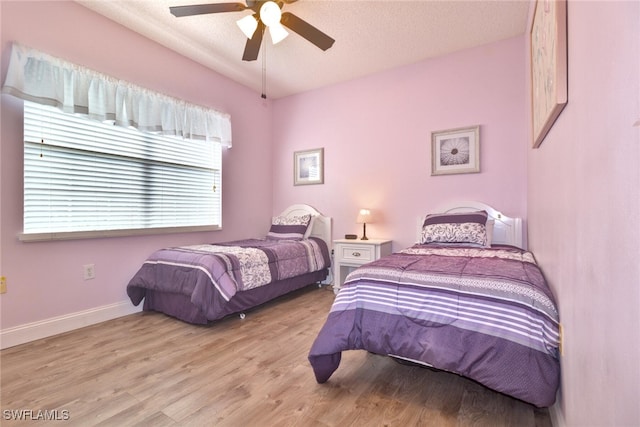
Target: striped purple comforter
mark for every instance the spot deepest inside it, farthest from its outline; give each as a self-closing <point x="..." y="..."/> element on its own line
<point x="486" y="314"/>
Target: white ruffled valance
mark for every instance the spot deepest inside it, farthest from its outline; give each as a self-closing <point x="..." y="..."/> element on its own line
<point x="41" y="78"/>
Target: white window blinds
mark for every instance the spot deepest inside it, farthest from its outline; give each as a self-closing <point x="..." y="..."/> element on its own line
<point x="83" y="175"/>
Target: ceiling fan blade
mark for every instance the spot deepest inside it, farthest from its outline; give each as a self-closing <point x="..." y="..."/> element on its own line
<point x="307" y="30"/>
<point x="252" y="47"/>
<point x="200" y="9"/>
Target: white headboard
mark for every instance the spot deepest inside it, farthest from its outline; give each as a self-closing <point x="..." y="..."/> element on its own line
<point x="321" y="227"/>
<point x="506" y="230"/>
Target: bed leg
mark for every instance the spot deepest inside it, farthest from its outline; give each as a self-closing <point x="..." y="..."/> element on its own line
<point x="242" y="316"/>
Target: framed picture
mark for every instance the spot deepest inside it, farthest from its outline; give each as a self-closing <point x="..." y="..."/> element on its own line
<point x="548" y="66"/>
<point x="455" y="151"/>
<point x="308" y="167"/>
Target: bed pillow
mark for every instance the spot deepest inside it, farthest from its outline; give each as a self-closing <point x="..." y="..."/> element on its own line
<point x="489" y="229"/>
<point x="463" y="227"/>
<point x="307" y="233"/>
<point x="289" y="228"/>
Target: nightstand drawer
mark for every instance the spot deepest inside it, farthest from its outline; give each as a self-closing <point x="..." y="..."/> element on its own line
<point x="351" y="254"/>
<point x="357" y="254"/>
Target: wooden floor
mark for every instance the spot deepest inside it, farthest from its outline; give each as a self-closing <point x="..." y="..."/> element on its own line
<point x="148" y="369"/>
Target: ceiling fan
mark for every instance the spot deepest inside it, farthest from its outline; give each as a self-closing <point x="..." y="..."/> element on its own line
<point x="266" y="14"/>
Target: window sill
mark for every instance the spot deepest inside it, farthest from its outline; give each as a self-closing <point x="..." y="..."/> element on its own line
<point x="77" y="235"/>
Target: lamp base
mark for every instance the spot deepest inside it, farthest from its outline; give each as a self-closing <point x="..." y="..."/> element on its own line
<point x="364" y="232"/>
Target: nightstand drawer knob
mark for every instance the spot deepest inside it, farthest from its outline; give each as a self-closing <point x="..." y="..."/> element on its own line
<point x="355" y="253"/>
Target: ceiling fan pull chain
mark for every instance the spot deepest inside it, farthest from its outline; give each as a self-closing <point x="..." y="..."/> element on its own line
<point x="264" y="69"/>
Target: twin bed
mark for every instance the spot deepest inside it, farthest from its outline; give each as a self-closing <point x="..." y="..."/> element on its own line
<point x="202" y="283"/>
<point x="467" y="299"/>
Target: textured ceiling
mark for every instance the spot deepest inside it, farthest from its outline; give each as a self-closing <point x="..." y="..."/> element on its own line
<point x="371" y="36"/>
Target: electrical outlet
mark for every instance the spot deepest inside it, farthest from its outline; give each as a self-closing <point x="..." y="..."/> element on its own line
<point x="3" y="285"/>
<point x="89" y="271"/>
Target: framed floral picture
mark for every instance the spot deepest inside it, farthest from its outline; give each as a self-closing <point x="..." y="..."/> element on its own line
<point x="455" y="151"/>
<point x="308" y="167"/>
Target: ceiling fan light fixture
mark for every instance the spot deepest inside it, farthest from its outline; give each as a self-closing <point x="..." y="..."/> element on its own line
<point x="270" y="13"/>
<point x="264" y="14"/>
<point x="248" y="25"/>
<point x="278" y="33"/>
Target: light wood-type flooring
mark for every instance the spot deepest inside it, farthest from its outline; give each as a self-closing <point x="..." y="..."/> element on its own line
<point x="149" y="369"/>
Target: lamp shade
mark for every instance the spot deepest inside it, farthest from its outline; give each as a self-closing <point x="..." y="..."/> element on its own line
<point x="364" y="217"/>
<point x="278" y="33"/>
<point x="248" y="25"/>
<point x="270" y="13"/>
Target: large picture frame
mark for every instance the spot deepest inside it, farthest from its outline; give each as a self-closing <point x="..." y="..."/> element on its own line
<point x="548" y="66"/>
<point x="308" y="167"/>
<point x="455" y="151"/>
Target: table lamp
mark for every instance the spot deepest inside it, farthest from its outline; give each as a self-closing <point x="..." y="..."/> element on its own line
<point x="364" y="217"/>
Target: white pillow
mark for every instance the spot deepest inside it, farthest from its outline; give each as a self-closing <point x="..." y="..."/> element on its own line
<point x="309" y="227"/>
<point x="489" y="230"/>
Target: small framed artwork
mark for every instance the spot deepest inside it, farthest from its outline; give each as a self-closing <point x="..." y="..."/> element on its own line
<point x="308" y="167"/>
<point x="455" y="151"/>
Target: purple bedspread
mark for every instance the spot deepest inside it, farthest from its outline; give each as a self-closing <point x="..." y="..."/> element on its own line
<point x="486" y="314"/>
<point x="211" y="274"/>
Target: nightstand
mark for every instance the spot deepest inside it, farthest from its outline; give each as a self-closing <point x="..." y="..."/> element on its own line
<point x="350" y="254"/>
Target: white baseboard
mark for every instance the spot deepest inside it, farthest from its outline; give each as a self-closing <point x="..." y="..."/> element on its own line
<point x="555" y="413"/>
<point x="56" y="325"/>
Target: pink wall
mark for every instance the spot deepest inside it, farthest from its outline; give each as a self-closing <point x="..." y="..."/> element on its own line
<point x="376" y="134"/>
<point x="578" y="192"/>
<point x="584" y="215"/>
<point x="45" y="279"/>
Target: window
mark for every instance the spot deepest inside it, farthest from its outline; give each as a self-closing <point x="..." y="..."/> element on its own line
<point x="82" y="175"/>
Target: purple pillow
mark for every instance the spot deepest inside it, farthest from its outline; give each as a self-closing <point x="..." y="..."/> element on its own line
<point x="289" y="228"/>
<point x="462" y="227"/>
